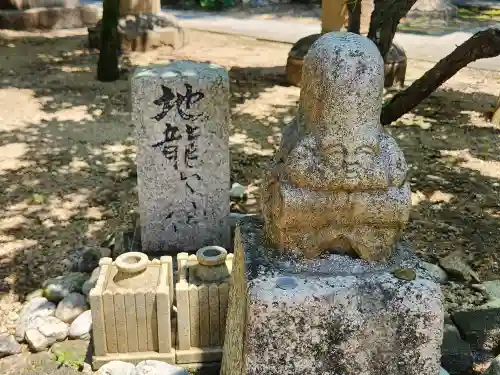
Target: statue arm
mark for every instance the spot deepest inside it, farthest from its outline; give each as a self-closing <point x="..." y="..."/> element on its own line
<point x="303" y="167"/>
<point x="395" y="159"/>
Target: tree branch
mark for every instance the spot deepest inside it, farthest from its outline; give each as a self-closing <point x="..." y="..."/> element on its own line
<point x="483" y="44"/>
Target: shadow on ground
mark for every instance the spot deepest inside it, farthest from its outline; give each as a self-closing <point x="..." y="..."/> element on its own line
<point x="66" y="157"/>
<point x="455" y="178"/>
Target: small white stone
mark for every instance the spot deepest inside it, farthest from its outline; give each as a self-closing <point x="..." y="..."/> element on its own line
<point x="151" y="367"/>
<point x="443" y="372"/>
<point x="71" y="307"/>
<point x="37" y="307"/>
<point x="87" y="369"/>
<point x="53" y="328"/>
<point x="437" y="273"/>
<point x="81" y="326"/>
<point x="36" y="341"/>
<point x="237" y="191"/>
<point x="117" y="368"/>
<point x="8" y="346"/>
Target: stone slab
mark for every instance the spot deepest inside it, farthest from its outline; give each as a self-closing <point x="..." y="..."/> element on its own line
<point x="331" y="315"/>
<point x="181" y="113"/>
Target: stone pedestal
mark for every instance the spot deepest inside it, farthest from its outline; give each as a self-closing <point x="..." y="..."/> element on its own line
<point x="331" y="315"/>
<point x="181" y="113"/>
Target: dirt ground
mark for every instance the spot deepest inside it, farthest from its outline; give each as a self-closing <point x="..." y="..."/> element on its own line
<point x="67" y="151"/>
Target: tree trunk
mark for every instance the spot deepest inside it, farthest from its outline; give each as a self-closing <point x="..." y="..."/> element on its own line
<point x="107" y="66"/>
<point x="354" y="8"/>
<point x="484" y="44"/>
<point x="385" y="20"/>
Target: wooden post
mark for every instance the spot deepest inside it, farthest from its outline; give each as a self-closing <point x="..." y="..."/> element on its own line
<point x="333" y="15"/>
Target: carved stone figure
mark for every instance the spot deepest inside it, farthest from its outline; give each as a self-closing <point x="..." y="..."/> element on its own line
<point x="338" y="182"/>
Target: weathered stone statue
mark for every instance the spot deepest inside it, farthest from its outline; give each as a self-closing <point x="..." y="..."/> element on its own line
<point x="338" y="181"/>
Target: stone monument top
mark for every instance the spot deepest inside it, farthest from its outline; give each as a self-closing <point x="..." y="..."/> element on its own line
<point x="338" y="182"/>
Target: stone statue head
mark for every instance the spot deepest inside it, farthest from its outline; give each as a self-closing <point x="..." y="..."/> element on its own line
<point x="341" y="96"/>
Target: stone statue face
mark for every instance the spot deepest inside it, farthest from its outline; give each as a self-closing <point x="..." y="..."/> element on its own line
<point x="354" y="156"/>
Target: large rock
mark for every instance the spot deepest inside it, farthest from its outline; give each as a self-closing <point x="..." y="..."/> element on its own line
<point x="150" y="367"/>
<point x="456" y="265"/>
<point x="456" y="354"/>
<point x="71" y="351"/>
<point x="437" y="273"/>
<point x="37" y="307"/>
<point x="71" y="307"/>
<point x="8" y="346"/>
<point x="53" y="329"/>
<point x="57" y="288"/>
<point x="86" y="259"/>
<point x="90" y="283"/>
<point x="36" y="341"/>
<point x="336" y="314"/>
<point x="30" y="364"/>
<point x="81" y="326"/>
<point x="481" y="328"/>
<point x="117" y="368"/>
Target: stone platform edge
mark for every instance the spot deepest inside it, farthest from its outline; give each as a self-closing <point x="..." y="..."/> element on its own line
<point x="50" y="18"/>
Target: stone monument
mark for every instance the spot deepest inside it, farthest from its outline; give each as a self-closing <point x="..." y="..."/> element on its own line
<point x="324" y="285"/>
<point x="181" y="113"/>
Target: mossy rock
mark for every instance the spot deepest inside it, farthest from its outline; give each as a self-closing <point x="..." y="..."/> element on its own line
<point x="71" y="353"/>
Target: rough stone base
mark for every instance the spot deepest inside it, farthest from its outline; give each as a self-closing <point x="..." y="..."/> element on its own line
<point x="50" y="18"/>
<point x="333" y="315"/>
